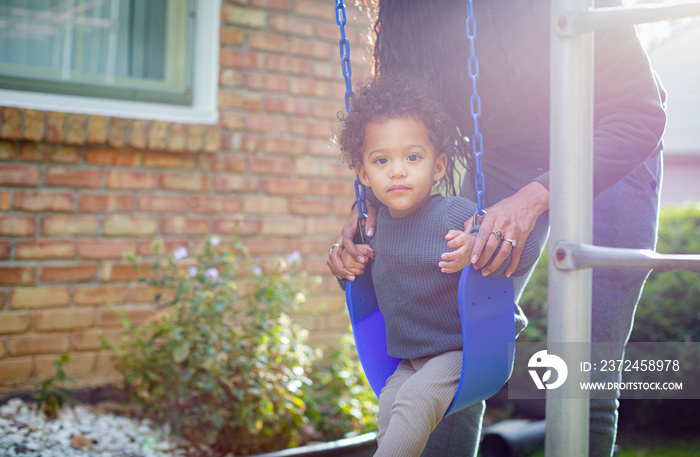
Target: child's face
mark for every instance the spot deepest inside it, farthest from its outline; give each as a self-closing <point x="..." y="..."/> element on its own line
<point x="399" y="163"/>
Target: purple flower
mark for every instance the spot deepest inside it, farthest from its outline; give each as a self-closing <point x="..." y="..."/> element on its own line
<point x="212" y="273"/>
<point x="180" y="253"/>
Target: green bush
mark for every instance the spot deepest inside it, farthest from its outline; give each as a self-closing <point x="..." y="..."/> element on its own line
<point x="222" y="363"/>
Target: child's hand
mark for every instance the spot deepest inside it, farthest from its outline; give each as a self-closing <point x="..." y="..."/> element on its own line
<point x="353" y="266"/>
<point x="462" y="243"/>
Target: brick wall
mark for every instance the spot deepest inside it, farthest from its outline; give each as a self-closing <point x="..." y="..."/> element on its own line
<point x="78" y="191"/>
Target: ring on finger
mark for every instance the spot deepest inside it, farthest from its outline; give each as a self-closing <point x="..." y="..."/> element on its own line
<point x="330" y="252"/>
<point x="498" y="234"/>
<point x="512" y="242"/>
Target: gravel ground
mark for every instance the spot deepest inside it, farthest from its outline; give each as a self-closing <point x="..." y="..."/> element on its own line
<point x="82" y="431"/>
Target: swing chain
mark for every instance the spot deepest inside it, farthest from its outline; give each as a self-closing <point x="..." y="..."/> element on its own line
<point x="341" y="18"/>
<point x="475" y="107"/>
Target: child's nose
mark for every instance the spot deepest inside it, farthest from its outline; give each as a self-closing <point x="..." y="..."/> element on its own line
<point x="397" y="170"/>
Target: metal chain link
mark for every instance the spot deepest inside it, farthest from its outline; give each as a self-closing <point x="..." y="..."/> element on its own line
<point x="475" y="107"/>
<point x="341" y="19"/>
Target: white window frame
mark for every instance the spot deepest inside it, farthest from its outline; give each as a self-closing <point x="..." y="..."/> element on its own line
<point x="205" y="84"/>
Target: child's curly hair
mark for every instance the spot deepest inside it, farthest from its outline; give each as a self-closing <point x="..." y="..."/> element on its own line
<point x="400" y="97"/>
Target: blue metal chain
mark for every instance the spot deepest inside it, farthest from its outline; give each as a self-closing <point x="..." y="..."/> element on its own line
<point x="341" y="19"/>
<point x="475" y="106"/>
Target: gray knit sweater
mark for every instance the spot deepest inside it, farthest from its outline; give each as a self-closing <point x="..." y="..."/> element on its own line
<point x="418" y="301"/>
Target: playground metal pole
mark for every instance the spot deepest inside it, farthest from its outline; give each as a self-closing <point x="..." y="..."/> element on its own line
<point x="571" y="218"/>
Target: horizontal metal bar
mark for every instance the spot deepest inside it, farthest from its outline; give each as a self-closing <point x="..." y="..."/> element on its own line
<point x="576" y="256"/>
<point x="573" y="23"/>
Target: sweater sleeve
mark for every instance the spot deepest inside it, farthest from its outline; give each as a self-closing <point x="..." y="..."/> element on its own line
<point x="461" y="209"/>
<point x="629" y="115"/>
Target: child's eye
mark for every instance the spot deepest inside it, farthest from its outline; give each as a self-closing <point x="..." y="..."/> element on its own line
<point x="413" y="157"/>
<point x="381" y="161"/>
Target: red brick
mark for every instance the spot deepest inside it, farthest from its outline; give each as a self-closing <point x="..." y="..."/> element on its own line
<point x="64" y="224"/>
<point x="212" y="138"/>
<point x="236" y="183"/>
<point x="28" y="250"/>
<point x="243" y="16"/>
<point x="76" y="128"/>
<point x="29" y="200"/>
<point x="238" y="226"/>
<point x="324" y="226"/>
<point x="238" y="100"/>
<point x="267" y="122"/>
<point x="168" y="160"/>
<point x="17" y="225"/>
<point x="270" y="165"/>
<point x="123" y="225"/>
<point x="195" y="137"/>
<point x="103" y="295"/>
<point x="264" y="204"/>
<point x="188" y="182"/>
<point x="135" y="313"/>
<point x="283" y="227"/>
<point x="267" y="82"/>
<point x="138" y="136"/>
<point x="267" y="41"/>
<point x="287" y="105"/>
<point x="286" y="186"/>
<point x="106" y="203"/>
<point x="105" y="249"/>
<point x="324" y="70"/>
<point x="15" y="322"/>
<point x="113" y="157"/>
<point x="266" y="246"/>
<point x="235" y="58"/>
<point x="323" y="148"/>
<point x="15" y="369"/>
<point x="80" y="364"/>
<point x="158" y="135"/>
<point x="290" y="25"/>
<point x="231" y="35"/>
<point x="55" y="122"/>
<point x="308" y="206"/>
<point x="17" y="275"/>
<point x="223" y="162"/>
<point x="146" y="247"/>
<point x="46" y="152"/>
<point x="5" y="200"/>
<point x="325" y="110"/>
<point x="307" y="166"/>
<point x="232" y="121"/>
<point x="39" y="297"/>
<point x="245" y="142"/>
<point x="309" y="127"/>
<point x="286" y="64"/>
<point x="337" y="187"/>
<point x="38" y="344"/>
<point x="311" y="8"/>
<point x="202" y="204"/>
<point x="307" y="246"/>
<point x="33" y="125"/>
<point x="63" y="319"/>
<point x="314" y="49"/>
<point x="19" y="175"/>
<point x="163" y="203"/>
<point x="11" y="127"/>
<point x="184" y="226"/>
<point x="91" y="339"/>
<point x="121" y="179"/>
<point x="310" y="88"/>
<point x="141" y="293"/>
<point x="284" y="146"/>
<point x="117" y="132"/>
<point x="7" y="150"/>
<point x="97" y="129"/>
<point x="326" y="31"/>
<point x="72" y="177"/>
<point x="282" y="5"/>
<point x="177" y="140"/>
<point x="4" y="252"/>
<point x="118" y="272"/>
<point x="68" y="272"/>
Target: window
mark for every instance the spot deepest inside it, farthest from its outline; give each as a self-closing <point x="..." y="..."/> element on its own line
<point x="129" y="58"/>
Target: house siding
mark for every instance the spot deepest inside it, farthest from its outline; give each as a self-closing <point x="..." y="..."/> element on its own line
<point x="77" y="191"/>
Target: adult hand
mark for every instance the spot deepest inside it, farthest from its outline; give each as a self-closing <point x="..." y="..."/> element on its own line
<point x="356" y="267"/>
<point x="514" y="217"/>
<point x="345" y="240"/>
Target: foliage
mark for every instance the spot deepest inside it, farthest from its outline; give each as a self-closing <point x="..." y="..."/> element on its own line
<point x="222" y="363"/>
<point x="345" y="403"/>
<point x="52" y="396"/>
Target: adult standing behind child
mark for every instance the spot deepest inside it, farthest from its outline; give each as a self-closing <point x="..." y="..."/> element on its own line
<point x="428" y="40"/>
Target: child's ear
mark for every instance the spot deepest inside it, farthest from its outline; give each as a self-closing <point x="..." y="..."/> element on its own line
<point x="440" y="167"/>
<point x="360" y="168"/>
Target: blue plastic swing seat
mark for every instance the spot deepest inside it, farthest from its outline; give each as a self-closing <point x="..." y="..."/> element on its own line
<point x="486" y="308"/>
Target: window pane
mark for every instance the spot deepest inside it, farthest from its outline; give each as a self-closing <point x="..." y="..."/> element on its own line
<point x="128" y="49"/>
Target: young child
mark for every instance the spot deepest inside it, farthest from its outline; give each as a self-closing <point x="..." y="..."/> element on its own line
<point x="402" y="142"/>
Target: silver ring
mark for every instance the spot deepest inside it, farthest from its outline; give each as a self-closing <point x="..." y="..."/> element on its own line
<point x="512" y="242"/>
<point x="498" y="234"/>
<point x="334" y="246"/>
